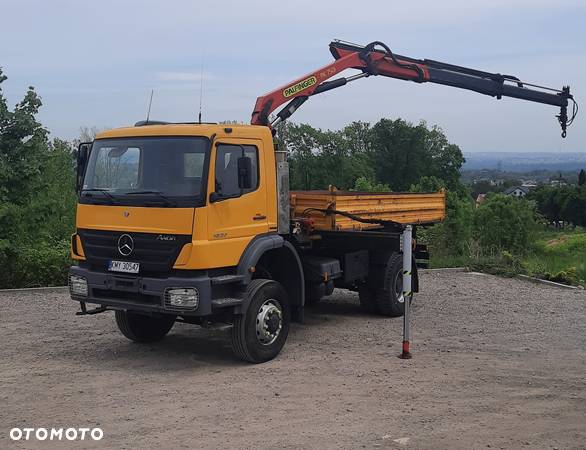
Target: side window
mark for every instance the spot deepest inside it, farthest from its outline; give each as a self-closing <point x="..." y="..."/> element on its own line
<point x="227" y="168"/>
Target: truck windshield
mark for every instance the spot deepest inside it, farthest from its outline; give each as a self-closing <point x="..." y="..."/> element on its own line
<point x="147" y="170"/>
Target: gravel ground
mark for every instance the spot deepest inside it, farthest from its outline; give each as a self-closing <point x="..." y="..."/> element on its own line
<point x="498" y="363"/>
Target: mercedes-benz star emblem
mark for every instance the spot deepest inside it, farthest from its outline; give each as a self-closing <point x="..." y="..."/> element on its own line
<point x="125" y="245"/>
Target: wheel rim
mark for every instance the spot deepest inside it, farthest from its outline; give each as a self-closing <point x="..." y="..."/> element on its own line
<point x="399" y="288"/>
<point x="269" y="322"/>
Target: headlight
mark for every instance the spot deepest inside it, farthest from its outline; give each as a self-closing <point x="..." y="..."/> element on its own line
<point x="181" y="298"/>
<point x="77" y="286"/>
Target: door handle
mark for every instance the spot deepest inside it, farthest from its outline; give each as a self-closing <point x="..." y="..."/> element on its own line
<point x="259" y="217"/>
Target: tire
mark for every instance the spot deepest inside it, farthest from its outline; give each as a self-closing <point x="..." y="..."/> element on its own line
<point x="268" y="304"/>
<point x="388" y="296"/>
<point x="142" y="328"/>
<point x="367" y="297"/>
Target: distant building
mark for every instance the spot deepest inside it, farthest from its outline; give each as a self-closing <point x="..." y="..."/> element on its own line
<point x="517" y="191"/>
<point x="530" y="184"/>
<point x="558" y="182"/>
<point x="480" y="199"/>
<point x="491" y="181"/>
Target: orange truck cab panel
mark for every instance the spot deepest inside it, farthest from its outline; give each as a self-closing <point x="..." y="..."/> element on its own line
<point x="220" y="230"/>
<point x="175" y="206"/>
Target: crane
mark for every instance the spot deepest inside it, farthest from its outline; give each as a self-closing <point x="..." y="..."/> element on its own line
<point x="377" y="58"/>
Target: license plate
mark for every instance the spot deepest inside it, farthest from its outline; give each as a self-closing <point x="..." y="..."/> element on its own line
<point x="123" y="266"/>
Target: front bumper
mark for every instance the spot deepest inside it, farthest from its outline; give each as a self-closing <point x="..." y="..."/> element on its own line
<point x="142" y="293"/>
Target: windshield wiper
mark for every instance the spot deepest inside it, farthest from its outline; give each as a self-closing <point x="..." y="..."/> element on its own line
<point x="167" y="200"/>
<point x="103" y="191"/>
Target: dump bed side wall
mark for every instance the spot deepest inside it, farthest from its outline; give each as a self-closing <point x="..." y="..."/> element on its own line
<point x="413" y="208"/>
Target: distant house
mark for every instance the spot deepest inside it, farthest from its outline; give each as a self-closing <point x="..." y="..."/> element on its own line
<point x="530" y="184"/>
<point x="517" y="191"/>
<point x="558" y="182"/>
<point x="480" y="199"/>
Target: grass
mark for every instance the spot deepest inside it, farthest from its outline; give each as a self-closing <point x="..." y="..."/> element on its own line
<point x="440" y="261"/>
<point x="557" y="255"/>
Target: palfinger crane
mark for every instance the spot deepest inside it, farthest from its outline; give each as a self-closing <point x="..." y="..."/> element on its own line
<point x="377" y="58"/>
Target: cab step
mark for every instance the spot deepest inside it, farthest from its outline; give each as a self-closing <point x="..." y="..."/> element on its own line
<point x="227" y="279"/>
<point x="225" y="302"/>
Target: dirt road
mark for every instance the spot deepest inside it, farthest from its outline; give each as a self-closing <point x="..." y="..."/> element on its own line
<point x="498" y="363"/>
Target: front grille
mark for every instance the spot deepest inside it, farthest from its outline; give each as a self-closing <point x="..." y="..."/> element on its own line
<point x="154" y="255"/>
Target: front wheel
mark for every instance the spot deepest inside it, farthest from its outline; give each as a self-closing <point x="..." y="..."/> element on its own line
<point x="142" y="328"/>
<point x="260" y="333"/>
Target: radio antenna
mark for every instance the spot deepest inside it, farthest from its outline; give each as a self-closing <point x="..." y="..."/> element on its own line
<point x="200" y="88"/>
<point x="149" y="110"/>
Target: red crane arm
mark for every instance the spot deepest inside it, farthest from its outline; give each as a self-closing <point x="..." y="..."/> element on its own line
<point x="369" y="62"/>
<point x="377" y="59"/>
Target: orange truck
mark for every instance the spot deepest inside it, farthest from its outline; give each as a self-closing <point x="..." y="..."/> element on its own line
<point x="195" y="222"/>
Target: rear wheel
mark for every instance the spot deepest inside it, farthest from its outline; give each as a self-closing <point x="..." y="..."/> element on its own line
<point x="142" y="328"/>
<point x="260" y="333"/>
<point x="389" y="297"/>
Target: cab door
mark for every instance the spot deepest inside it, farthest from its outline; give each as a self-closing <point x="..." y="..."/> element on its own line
<point x="236" y="215"/>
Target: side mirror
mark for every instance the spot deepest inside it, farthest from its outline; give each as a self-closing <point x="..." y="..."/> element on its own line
<point x="83" y="154"/>
<point x="244" y="172"/>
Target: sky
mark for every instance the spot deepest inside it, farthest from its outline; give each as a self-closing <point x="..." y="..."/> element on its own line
<point x="94" y="63"/>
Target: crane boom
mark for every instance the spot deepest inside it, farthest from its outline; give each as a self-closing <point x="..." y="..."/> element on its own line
<point x="377" y="59"/>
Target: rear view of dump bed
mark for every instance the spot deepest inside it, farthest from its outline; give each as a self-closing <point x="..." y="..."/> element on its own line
<point x="402" y="207"/>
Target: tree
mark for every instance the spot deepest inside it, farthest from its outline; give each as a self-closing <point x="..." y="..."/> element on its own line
<point x="23" y="142"/>
<point x="581" y="178"/>
<point x="363" y="184"/>
<point x="452" y="236"/>
<point x="37" y="197"/>
<point x="552" y="202"/>
<point x="319" y="158"/>
<point x="573" y="208"/>
<point x="504" y="223"/>
<point x="402" y="153"/>
<point x="392" y="152"/>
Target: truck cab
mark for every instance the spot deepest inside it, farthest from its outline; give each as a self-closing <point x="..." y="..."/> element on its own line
<point x="172" y="223"/>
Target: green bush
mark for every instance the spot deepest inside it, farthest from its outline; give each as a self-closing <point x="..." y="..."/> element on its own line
<point x="42" y="264"/>
<point x="568" y="276"/>
<point x="559" y="256"/>
<point x="504" y="223"/>
<point x="364" y="184"/>
<point x="503" y="264"/>
<point x="451" y="238"/>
